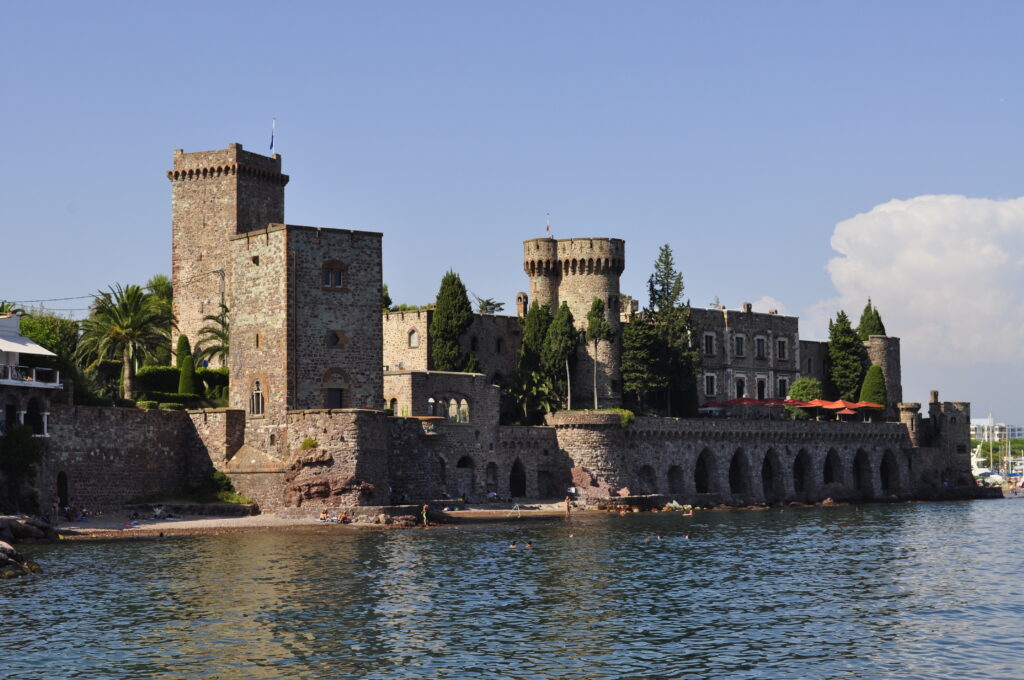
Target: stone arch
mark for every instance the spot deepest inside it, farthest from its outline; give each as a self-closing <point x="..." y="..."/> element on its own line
<point x="590" y="265"/>
<point x="491" y="477"/>
<point x="334" y="388"/>
<point x="647" y="480"/>
<point x="705" y="473"/>
<point x="862" y="472"/>
<point x="889" y="473"/>
<point x="463" y="410"/>
<point x="257" y="400"/>
<point x="517" y="479"/>
<point x="772" y="487"/>
<point x="453" y="409"/>
<point x="676" y="485"/>
<point x="833" y="471"/>
<point x="431" y="406"/>
<point x="464" y="476"/>
<point x="739" y="474"/>
<point x="393" y="405"/>
<point x="413" y="338"/>
<point x="803" y="474"/>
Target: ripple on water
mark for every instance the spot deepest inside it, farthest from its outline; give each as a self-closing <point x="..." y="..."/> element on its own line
<point x="900" y="591"/>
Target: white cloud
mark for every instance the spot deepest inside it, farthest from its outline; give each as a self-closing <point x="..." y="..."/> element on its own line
<point x="768" y="303"/>
<point x="946" y="273"/>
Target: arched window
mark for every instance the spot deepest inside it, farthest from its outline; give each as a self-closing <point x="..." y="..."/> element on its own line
<point x="256" y="400"/>
<point x="414" y="338"/>
<point x="431" y="407"/>
<point x="453" y="410"/>
<point x="463" y="411"/>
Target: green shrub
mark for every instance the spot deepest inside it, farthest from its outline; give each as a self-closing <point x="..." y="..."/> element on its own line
<point x="187" y="380"/>
<point x="626" y="417"/>
<point x="184" y="349"/>
<point x="147" y="404"/>
<point x="157" y="379"/>
<point x="171" y="397"/>
<point x="308" y="443"/>
<point x="167" y="406"/>
<point x="213" y="377"/>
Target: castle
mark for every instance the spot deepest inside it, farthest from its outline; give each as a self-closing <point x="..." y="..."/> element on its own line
<point x="333" y="402"/>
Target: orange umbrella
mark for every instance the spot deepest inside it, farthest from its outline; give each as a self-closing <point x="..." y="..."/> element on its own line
<point x="847" y="412"/>
<point x="869" y="404"/>
<point x="842" y="403"/>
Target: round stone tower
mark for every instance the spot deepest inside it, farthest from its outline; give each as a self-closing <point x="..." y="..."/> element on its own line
<point x="576" y="271"/>
<point x="885" y="352"/>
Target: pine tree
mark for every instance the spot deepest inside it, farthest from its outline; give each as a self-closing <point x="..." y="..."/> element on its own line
<point x="184" y="349"/>
<point x="676" y="358"/>
<point x="385" y="298"/>
<point x="873" y="389"/>
<point x="187" y="378"/>
<point x="640" y="360"/>
<point x="870" y="322"/>
<point x="598" y="330"/>
<point x="559" y="345"/>
<point x="452" y="317"/>
<point x="846" y="357"/>
<point x="535" y="329"/>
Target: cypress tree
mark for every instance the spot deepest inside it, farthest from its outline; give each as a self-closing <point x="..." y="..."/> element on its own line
<point x="873" y="389"/>
<point x="184" y="349"/>
<point x="870" y="322"/>
<point x="677" y="358"/>
<point x="187" y="379"/>
<point x="598" y="330"/>
<point x="846" y="357"/>
<point x="535" y="330"/>
<point x="559" y="344"/>
<point x="452" y="317"/>
<point x="640" y="359"/>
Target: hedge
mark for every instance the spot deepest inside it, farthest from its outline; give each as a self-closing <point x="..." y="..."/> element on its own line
<point x="157" y="379"/>
<point x="172" y="407"/>
<point x="147" y="404"/>
<point x="212" y="377"/>
<point x="170" y="397"/>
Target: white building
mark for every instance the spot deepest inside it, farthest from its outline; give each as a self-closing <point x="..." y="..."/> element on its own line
<point x="24" y="390"/>
<point x="983" y="430"/>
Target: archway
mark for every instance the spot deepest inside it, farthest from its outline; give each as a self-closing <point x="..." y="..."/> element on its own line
<point x="739" y="474"/>
<point x="890" y="473"/>
<point x="517" y="480"/>
<point x="803" y="475"/>
<point x="704" y="473"/>
<point x="647" y="480"/>
<point x="770" y="481"/>
<point x="675" y="480"/>
<point x="862" y="472"/>
<point x="491" y="477"/>
<point x="833" y="468"/>
<point x="464" y="477"/>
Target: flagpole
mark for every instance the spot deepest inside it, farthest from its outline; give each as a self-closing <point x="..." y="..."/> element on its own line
<point x="273" y="132"/>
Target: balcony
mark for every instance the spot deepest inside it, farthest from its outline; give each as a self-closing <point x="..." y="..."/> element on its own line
<point x="29" y="376"/>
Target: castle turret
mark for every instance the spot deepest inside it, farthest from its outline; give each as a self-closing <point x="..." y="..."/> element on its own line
<point x="576" y="271"/>
<point x="910" y="416"/>
<point x="216" y="195"/>
<point x="884" y="351"/>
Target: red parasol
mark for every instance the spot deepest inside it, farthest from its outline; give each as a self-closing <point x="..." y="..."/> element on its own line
<point x="868" y="404"/>
<point x="842" y="403"/>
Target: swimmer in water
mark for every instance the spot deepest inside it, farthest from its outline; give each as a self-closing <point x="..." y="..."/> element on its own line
<point x="571" y="535"/>
<point x="513" y="545"/>
<point x="529" y="544"/>
<point x="687" y="537"/>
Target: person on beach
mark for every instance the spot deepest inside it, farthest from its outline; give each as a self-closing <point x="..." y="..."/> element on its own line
<point x="568" y="506"/>
<point x="425" y="509"/>
<point x="324" y="516"/>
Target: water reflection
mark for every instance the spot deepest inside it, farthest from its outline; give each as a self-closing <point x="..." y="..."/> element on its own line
<point x="902" y="591"/>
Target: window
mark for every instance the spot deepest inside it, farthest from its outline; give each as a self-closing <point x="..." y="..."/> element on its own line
<point x="414" y="338"/>
<point x="431" y="407"/>
<point x="762" y="389"/>
<point x="336" y="339"/>
<point x="332" y="276"/>
<point x="709" y="344"/>
<point x="741" y="387"/>
<point x="256" y="261"/>
<point x="739" y="345"/>
<point x="497" y="346"/>
<point x="760" y="348"/>
<point x="710" y="384"/>
<point x="334" y="397"/>
<point x="783" y="388"/>
<point x="780" y="349"/>
<point x="256" y="400"/>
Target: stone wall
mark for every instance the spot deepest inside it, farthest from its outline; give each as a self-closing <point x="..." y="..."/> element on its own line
<point x="814" y="360"/>
<point x="109" y="456"/>
<point x="214" y="196"/>
<point x="397" y="329"/>
<point x="884" y="351"/>
<point x="723" y="332"/>
<point x="476" y="400"/>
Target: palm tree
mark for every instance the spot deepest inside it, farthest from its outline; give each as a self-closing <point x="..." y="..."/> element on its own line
<point x="11" y="308"/>
<point x="125" y="323"/>
<point x="215" y="336"/>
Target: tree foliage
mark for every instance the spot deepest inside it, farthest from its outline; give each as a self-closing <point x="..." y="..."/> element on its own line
<point x="598" y="331"/>
<point x="385" y="298"/>
<point x="20" y="453"/>
<point x="124" y="323"/>
<point x="215" y="337"/>
<point x="641" y="360"/>
<point x="846" y="357"/>
<point x="187" y="377"/>
<point x="488" y="305"/>
<point x="182" y="349"/>
<point x="804" y="389"/>
<point x="870" y="322"/>
<point x="452" y="317"/>
<point x="535" y="329"/>
<point x="162" y="293"/>
<point x="560" y="342"/>
<point x="873" y="388"/>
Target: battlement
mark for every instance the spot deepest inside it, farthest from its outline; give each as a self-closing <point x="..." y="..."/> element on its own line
<point x="574" y="256"/>
<point x="234" y="160"/>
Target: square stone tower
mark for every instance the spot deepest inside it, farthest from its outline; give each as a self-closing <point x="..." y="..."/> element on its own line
<point x="216" y="195"/>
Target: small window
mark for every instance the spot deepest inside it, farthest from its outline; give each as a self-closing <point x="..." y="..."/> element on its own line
<point x="335" y="339"/>
<point x="431" y="407"/>
<point x="257" y="340"/>
<point x="709" y="344"/>
<point x="332" y="276"/>
<point x="740" y="341"/>
<point x="414" y="338"/>
<point x="783" y="388"/>
<point x="710" y="384"/>
<point x="256" y="400"/>
<point x="334" y="397"/>
<point x="256" y="261"/>
<point x="760" y="349"/>
<point x="497" y="346"/>
<point x="780" y="349"/>
<point x="762" y="389"/>
<point x="741" y="388"/>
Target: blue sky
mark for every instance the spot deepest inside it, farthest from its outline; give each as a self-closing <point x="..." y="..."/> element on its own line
<point x="741" y="134"/>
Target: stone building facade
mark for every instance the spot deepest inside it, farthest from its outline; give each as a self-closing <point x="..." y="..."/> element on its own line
<point x="315" y="367"/>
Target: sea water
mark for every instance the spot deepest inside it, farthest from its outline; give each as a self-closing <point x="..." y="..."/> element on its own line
<point x="924" y="590"/>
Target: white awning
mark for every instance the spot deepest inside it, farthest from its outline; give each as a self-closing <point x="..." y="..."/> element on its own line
<point x="22" y="345"/>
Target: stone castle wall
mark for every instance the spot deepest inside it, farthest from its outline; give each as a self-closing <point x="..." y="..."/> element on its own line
<point x="407" y="340"/>
<point x="214" y="196"/>
<point x="885" y="352"/>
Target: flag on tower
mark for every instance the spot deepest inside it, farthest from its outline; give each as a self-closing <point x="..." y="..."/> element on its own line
<point x="273" y="129"/>
<point x="549" y="224"/>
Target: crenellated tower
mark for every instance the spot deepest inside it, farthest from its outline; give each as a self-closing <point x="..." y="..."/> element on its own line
<point x="575" y="271"/>
<point x="216" y="195"/>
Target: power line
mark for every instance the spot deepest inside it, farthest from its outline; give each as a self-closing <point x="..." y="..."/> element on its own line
<point x="92" y="296"/>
